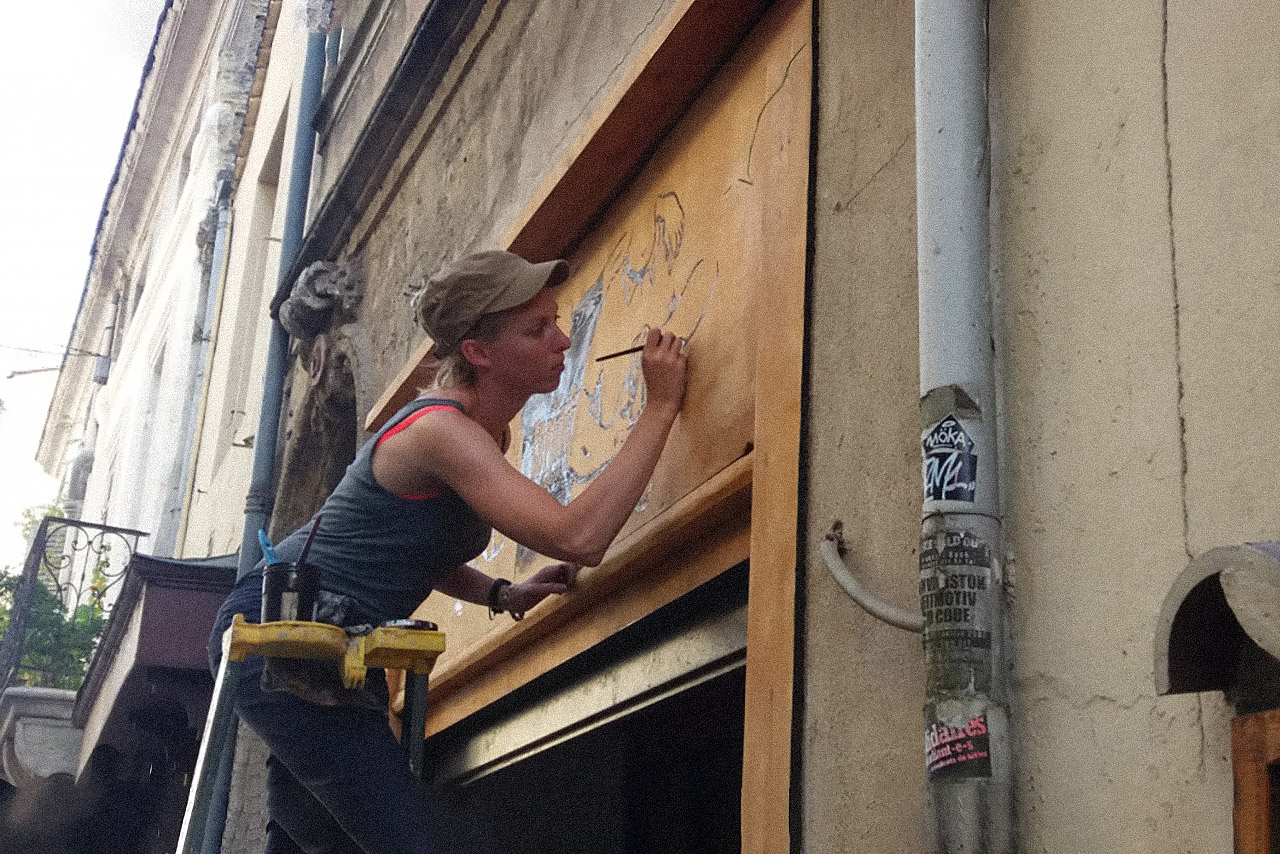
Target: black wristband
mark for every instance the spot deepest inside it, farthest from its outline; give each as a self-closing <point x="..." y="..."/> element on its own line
<point x="495" y="608"/>
<point x="494" y="590"/>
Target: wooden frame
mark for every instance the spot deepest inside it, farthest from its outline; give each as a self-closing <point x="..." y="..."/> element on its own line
<point x="668" y="74"/>
<point x="1255" y="748"/>
<point x="749" y="509"/>
<point x="695" y="540"/>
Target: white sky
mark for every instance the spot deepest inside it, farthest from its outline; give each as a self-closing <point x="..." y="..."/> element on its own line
<point x="64" y="109"/>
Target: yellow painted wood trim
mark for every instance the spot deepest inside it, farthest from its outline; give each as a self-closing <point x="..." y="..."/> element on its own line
<point x="770" y="668"/>
<point x="694" y="540"/>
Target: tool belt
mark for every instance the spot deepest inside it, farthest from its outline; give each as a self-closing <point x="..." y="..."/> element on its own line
<point x="320" y="681"/>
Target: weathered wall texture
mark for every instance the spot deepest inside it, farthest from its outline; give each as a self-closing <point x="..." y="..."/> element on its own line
<point x="861" y="755"/>
<point x="1134" y="276"/>
<point x="533" y="73"/>
<point x="225" y="453"/>
<point x="1134" y="161"/>
<point x="1223" y="64"/>
<point x="374" y="32"/>
<point x="1135" y="272"/>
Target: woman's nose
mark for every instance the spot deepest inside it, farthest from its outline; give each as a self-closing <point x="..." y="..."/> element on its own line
<point x="564" y="342"/>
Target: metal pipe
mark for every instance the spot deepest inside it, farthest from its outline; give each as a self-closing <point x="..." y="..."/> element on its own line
<point x="262" y="482"/>
<point x="209" y="326"/>
<point x="208" y="819"/>
<point x="967" y="742"/>
<point x="832" y="548"/>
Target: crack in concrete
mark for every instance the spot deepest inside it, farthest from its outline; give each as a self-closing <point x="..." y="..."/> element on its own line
<point x="1173" y="269"/>
<point x="627" y="56"/>
<point x="786" y="72"/>
<point x="1203" y="737"/>
<point x="1044" y="687"/>
<point x="844" y="205"/>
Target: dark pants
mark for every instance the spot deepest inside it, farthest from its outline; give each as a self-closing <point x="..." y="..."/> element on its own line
<point x="338" y="782"/>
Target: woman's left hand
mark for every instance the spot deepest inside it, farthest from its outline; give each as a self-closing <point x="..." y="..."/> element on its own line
<point x="554" y="578"/>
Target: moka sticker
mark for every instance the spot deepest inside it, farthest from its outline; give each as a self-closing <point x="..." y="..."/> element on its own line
<point x="950" y="465"/>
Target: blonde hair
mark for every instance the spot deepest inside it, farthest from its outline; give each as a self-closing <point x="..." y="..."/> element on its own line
<point x="454" y="370"/>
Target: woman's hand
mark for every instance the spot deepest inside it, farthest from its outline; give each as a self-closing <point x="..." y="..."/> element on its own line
<point x="665" y="365"/>
<point x="554" y="578"/>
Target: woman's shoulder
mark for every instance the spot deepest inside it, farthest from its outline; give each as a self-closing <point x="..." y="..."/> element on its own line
<point x="414" y="411"/>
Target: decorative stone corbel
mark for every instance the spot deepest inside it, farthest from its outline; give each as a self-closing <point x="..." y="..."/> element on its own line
<point x="324" y="294"/>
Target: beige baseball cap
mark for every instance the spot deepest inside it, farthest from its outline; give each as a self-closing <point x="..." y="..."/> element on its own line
<point x="454" y="299"/>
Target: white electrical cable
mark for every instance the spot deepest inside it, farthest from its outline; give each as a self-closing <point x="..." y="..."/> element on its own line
<point x="875" y="606"/>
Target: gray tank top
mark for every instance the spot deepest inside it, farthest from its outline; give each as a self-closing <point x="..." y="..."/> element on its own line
<point x="386" y="551"/>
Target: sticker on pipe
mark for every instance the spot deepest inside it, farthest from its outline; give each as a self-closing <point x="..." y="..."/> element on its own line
<point x="958" y="599"/>
<point x="956" y="748"/>
<point x="950" y="466"/>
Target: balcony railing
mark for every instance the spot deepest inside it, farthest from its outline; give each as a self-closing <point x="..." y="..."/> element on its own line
<point x="60" y="603"/>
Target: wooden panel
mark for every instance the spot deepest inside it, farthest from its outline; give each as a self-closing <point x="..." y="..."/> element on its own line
<point x="675" y="66"/>
<point x="663" y="582"/>
<point x="667" y="74"/>
<point x="766" y="768"/>
<point x="1255" y="745"/>
<point x="707" y="241"/>
<point x="699" y="537"/>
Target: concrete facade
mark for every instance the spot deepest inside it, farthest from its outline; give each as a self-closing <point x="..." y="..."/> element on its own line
<point x="37" y="737"/>
<point x="1131" y="293"/>
<point x="1103" y="328"/>
<point x="863" y="681"/>
<point x="147" y="298"/>
<point x="223" y="452"/>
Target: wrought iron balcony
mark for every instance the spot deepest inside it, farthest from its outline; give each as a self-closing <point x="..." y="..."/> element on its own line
<point x="63" y="597"/>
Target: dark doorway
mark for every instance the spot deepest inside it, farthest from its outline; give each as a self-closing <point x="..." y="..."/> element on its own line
<point x="633" y="747"/>
<point x="663" y="780"/>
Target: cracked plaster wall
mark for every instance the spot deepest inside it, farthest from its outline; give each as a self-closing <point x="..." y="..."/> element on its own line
<point x="1116" y="371"/>
<point x="1136" y="282"/>
<point x="1134" y="155"/>
<point x="863" y="682"/>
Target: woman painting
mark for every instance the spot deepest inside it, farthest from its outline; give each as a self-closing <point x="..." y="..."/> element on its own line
<point x="418" y="502"/>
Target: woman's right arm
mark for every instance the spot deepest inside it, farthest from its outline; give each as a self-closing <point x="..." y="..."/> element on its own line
<point x="461" y="454"/>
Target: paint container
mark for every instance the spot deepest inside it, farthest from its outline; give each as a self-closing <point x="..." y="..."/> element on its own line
<point x="289" y="591"/>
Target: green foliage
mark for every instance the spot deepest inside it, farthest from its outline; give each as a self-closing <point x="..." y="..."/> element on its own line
<point x="33" y="516"/>
<point x="58" y="645"/>
<point x="59" y="641"/>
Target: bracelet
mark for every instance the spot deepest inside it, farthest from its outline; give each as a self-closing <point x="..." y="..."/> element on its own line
<point x="495" y="606"/>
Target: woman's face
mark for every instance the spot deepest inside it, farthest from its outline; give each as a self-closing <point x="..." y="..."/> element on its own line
<point x="530" y="347"/>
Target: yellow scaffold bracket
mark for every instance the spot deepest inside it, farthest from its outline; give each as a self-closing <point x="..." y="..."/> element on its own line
<point x="414" y="650"/>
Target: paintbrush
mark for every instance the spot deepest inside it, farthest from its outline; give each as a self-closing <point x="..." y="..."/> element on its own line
<point x="306" y="547"/>
<point x="630" y="350"/>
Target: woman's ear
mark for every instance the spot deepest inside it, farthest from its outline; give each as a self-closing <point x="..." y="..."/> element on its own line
<point x="473" y="350"/>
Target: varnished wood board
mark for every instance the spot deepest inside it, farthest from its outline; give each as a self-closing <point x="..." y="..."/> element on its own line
<point x="715" y="220"/>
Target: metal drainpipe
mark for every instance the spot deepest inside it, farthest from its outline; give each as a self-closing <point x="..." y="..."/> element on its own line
<point x="262" y="483"/>
<point x="969" y="763"/>
<point x="222" y="741"/>
<point x="194" y="431"/>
